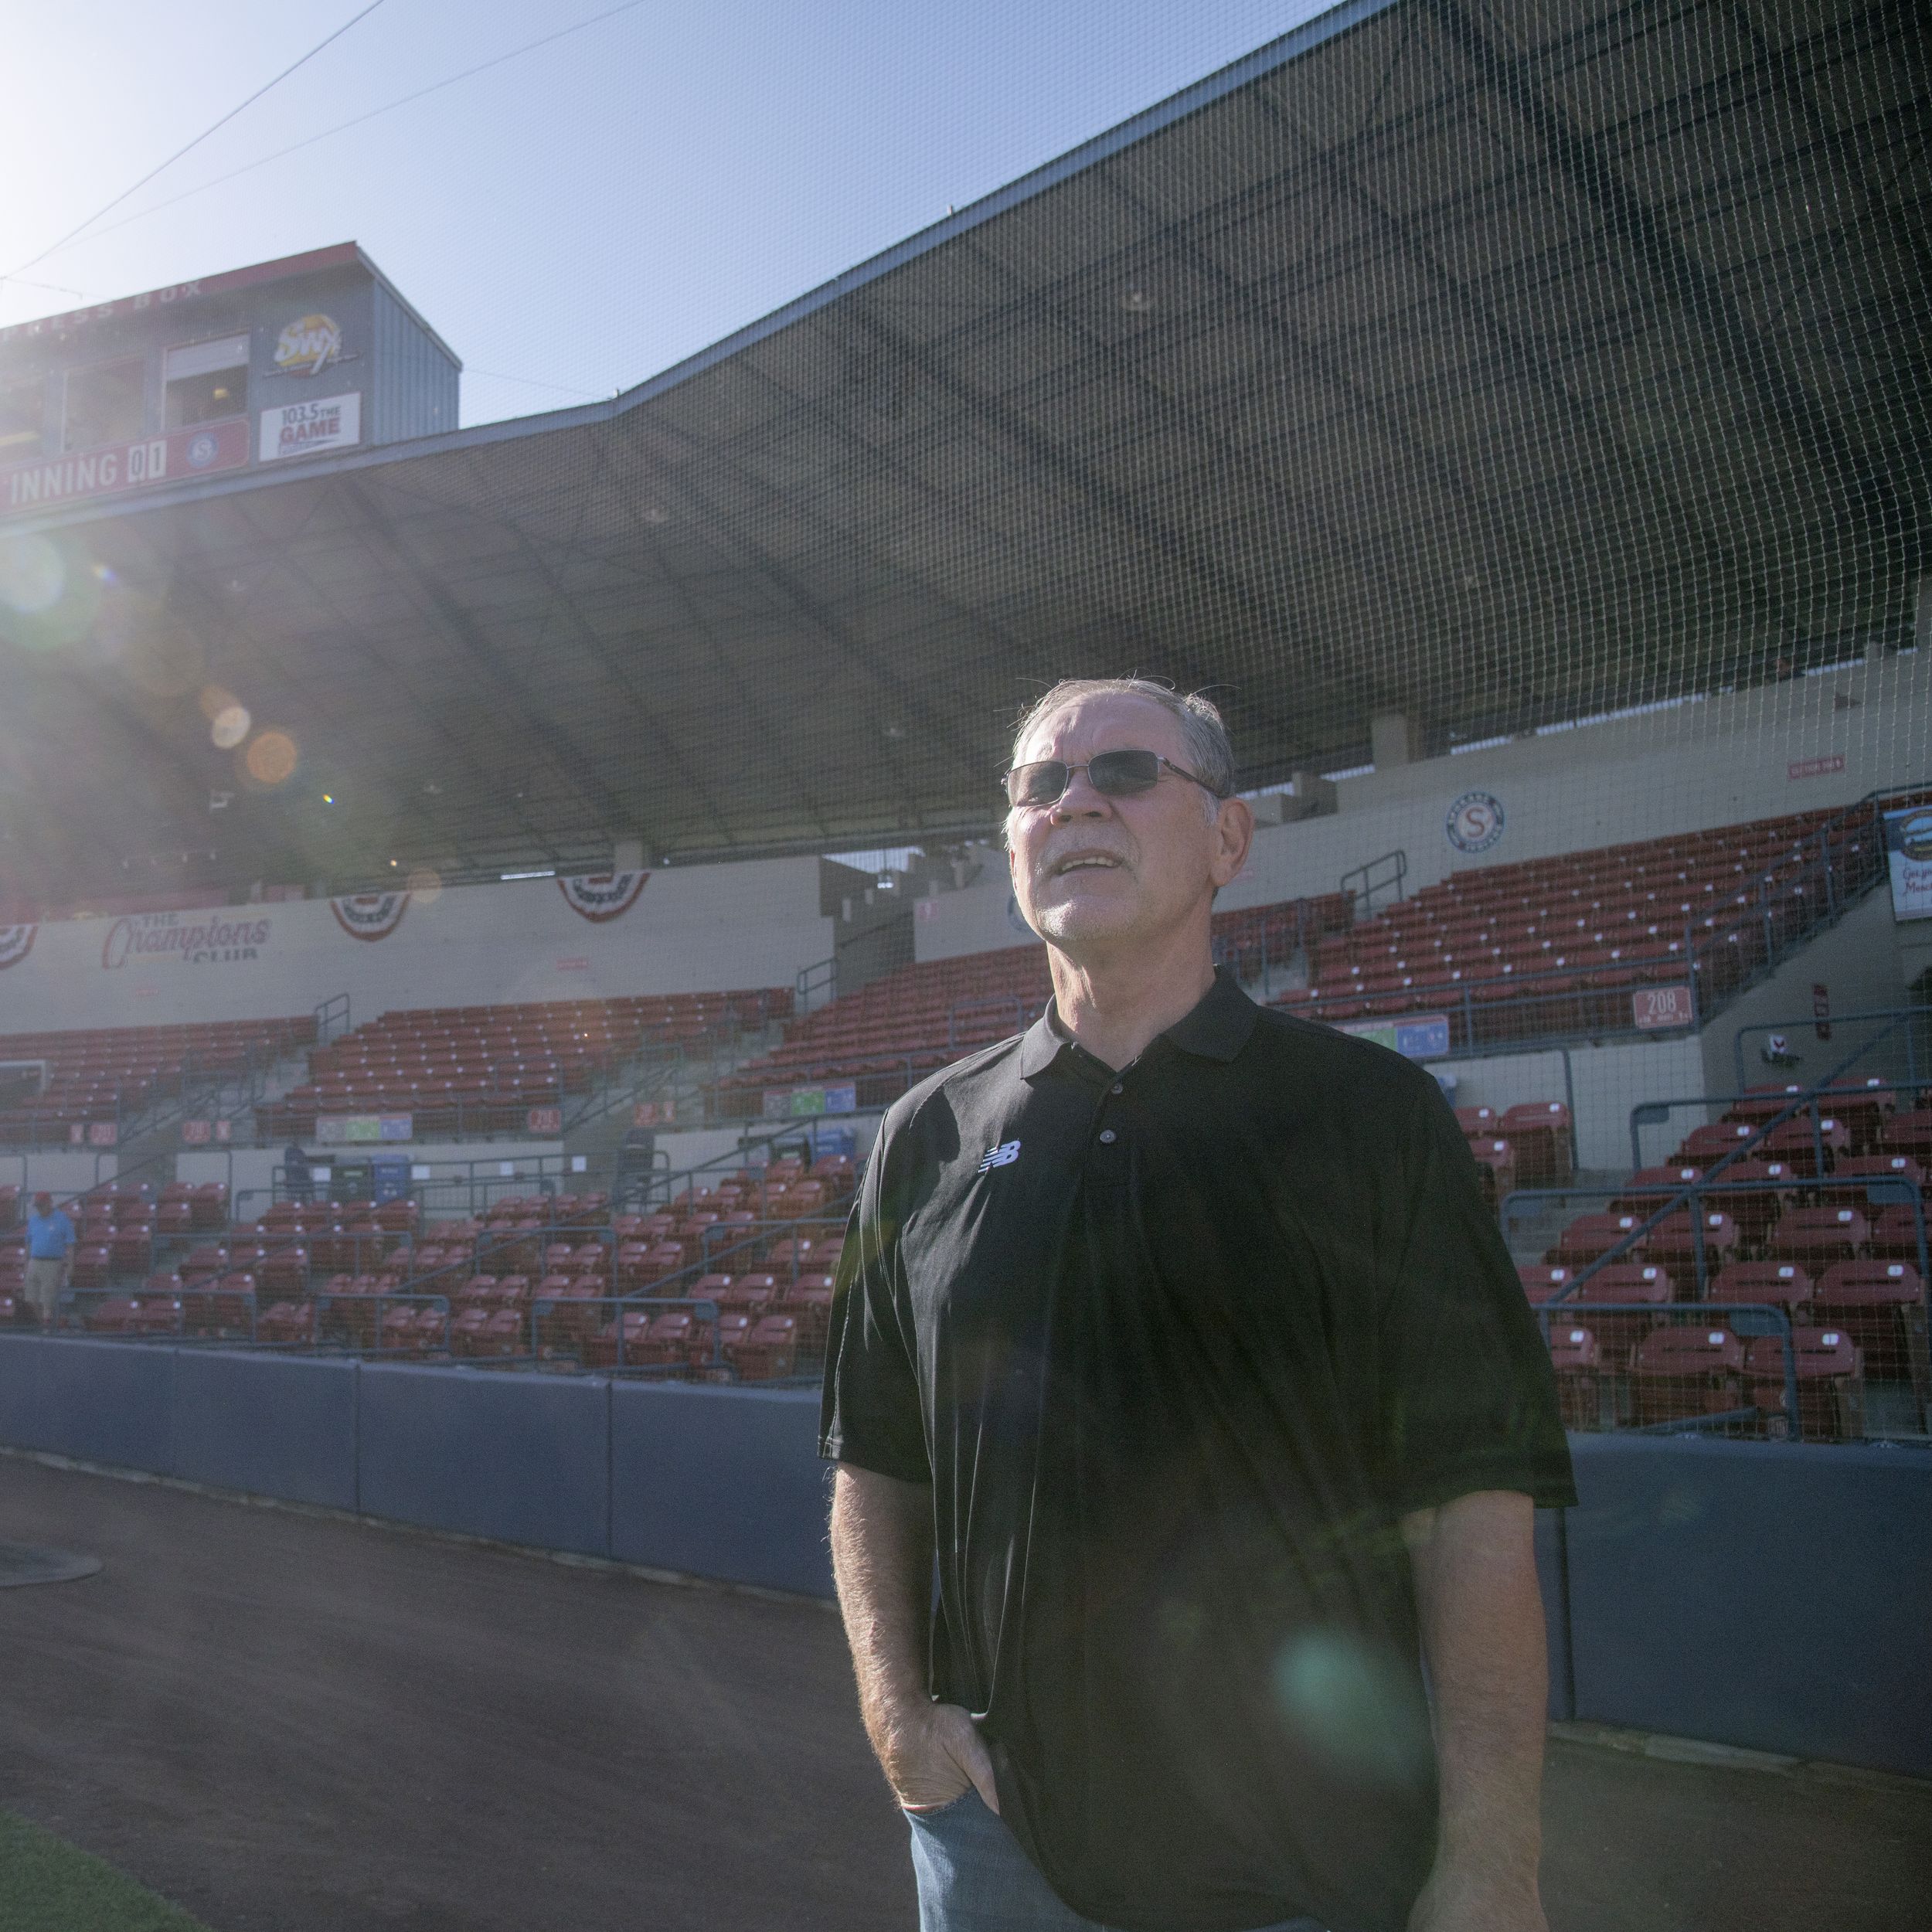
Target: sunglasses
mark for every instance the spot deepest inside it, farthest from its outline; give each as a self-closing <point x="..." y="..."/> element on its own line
<point x="1114" y="774"/>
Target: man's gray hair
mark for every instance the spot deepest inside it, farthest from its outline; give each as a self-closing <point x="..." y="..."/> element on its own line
<point x="1210" y="755"/>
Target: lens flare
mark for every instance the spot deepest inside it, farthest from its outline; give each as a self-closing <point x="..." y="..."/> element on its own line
<point x="426" y="885"/>
<point x="230" y="725"/>
<point x="271" y="758"/>
<point x="32" y="575"/>
<point x="47" y="601"/>
<point x="1354" y="1707"/>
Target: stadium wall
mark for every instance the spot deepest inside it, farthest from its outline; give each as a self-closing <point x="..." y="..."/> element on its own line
<point x="703" y="928"/>
<point x="1812" y="742"/>
<point x="1687" y="1593"/>
<point x="1858" y="967"/>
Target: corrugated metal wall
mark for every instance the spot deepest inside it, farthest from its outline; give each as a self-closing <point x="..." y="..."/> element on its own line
<point x="412" y="383"/>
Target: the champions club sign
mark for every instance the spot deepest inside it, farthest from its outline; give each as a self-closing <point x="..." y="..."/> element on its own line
<point x="192" y="938"/>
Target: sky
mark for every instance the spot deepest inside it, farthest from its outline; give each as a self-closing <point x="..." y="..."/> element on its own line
<point x="580" y="215"/>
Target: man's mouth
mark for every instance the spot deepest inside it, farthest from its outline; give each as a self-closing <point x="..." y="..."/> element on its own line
<point x="1083" y="862"/>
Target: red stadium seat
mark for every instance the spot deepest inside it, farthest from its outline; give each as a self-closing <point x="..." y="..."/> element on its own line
<point x="1776" y="1283"/>
<point x="1881" y="1304"/>
<point x="1829" y="1374"/>
<point x="1590" y="1236"/>
<point x="1580" y="1380"/>
<point x="1676" y="1241"/>
<point x="286" y="1324"/>
<point x="1682" y="1372"/>
<point x="1815" y="1238"/>
<point x="808" y="1300"/>
<point x="766" y="1353"/>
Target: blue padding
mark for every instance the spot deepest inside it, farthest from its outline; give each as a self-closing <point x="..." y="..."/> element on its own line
<point x="273" y="1425"/>
<point x="105" y="1401"/>
<point x="523" y="1458"/>
<point x="1556" y="1595"/>
<point x="1769" y="1595"/>
<point x="720" y="1482"/>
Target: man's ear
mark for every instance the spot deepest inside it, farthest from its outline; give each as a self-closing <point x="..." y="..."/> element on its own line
<point x="1234" y="833"/>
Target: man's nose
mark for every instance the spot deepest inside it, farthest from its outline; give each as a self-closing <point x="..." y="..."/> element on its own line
<point x="1080" y="800"/>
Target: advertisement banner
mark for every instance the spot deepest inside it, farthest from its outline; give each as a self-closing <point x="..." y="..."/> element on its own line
<point x="1425" y="1037"/>
<point x="200" y="451"/>
<point x="338" y="1130"/>
<point x="654" y="1112"/>
<point x="327" y="423"/>
<point x="1908" y="853"/>
<point x="183" y="939"/>
<point x="1653" y="1007"/>
<point x="545" y="1120"/>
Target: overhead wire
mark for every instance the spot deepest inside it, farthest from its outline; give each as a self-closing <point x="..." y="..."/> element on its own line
<point x="213" y="127"/>
<point x="358" y="120"/>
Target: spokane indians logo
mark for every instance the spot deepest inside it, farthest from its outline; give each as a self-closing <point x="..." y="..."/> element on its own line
<point x="1475" y="822"/>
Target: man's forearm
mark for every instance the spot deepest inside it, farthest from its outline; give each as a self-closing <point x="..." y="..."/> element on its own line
<point x="1482" y="1630"/>
<point x="882" y="1556"/>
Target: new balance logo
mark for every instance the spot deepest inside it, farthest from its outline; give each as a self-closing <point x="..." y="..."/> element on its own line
<point x="1004" y="1155"/>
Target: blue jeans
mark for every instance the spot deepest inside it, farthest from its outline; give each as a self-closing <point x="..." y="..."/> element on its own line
<point x="972" y="1877"/>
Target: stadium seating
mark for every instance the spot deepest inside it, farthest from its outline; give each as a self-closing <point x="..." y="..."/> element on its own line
<point x="480" y="1070"/>
<point x="1555" y="947"/>
<point x="99" y="1080"/>
<point x="1797" y="1234"/>
<point x="1681" y="1372"/>
<point x="912" y="1022"/>
<point x="1829" y="1370"/>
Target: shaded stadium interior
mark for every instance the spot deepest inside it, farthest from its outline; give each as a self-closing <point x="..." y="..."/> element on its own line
<point x="1487" y="365"/>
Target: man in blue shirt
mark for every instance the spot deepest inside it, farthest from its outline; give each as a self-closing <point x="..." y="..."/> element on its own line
<point x="50" y="1240"/>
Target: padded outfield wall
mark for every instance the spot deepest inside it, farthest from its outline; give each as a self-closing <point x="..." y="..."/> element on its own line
<point x="1763" y="1595"/>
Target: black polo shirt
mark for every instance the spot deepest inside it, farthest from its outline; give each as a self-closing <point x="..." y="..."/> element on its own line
<point x="1176" y="1348"/>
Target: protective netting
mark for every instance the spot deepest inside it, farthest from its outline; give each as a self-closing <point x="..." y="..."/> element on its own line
<point x="1516" y="418"/>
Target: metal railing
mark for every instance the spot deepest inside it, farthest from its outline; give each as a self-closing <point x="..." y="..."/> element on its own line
<point x="222" y="1084"/>
<point x="332" y="1018"/>
<point x="1688" y="1197"/>
<point x="1393" y="867"/>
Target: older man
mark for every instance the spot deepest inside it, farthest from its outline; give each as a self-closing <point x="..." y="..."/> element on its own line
<point x="1179" y="1330"/>
<point x="50" y="1240"/>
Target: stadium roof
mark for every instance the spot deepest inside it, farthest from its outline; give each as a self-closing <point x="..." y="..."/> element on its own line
<point x="1491" y="364"/>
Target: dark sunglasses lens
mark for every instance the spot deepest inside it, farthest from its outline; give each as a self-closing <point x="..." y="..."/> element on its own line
<point x="1036" y="784"/>
<point x="1124" y="774"/>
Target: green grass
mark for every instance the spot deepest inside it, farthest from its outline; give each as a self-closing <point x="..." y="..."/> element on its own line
<point x="47" y="1885"/>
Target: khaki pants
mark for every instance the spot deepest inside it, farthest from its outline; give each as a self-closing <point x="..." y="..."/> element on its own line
<point x="45" y="1278"/>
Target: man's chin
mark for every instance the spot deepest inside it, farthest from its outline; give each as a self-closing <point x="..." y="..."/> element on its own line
<point x="1082" y="921"/>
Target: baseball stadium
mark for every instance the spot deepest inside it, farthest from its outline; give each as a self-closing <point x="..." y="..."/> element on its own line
<point x="479" y="902"/>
